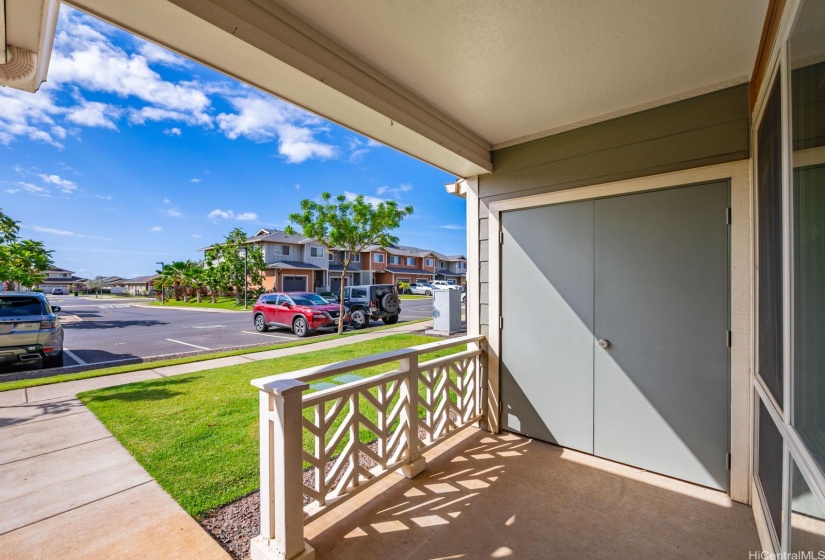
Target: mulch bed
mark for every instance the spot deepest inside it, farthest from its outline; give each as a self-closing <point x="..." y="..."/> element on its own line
<point x="237" y="523"/>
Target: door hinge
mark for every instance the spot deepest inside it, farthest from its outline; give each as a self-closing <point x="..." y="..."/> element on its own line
<point x="727" y="461"/>
<point x="500" y="405"/>
<point x="501" y="238"/>
<point x="728" y="338"/>
<point x="728" y="215"/>
<point x="500" y="322"/>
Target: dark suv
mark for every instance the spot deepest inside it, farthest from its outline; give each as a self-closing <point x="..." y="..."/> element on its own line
<point x="374" y="301"/>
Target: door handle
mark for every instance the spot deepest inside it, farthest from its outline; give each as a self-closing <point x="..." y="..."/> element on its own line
<point x="604" y="343"/>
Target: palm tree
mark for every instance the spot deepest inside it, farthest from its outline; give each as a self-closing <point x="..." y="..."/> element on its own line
<point x="193" y="277"/>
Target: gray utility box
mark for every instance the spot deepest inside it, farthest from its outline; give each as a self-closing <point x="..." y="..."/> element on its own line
<point x="447" y="311"/>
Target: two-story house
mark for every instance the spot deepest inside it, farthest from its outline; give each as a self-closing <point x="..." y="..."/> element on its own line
<point x="403" y="264"/>
<point x="451" y="267"/>
<point x="293" y="262"/>
<point x="59" y="278"/>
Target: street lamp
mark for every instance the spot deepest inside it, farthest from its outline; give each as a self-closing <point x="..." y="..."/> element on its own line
<point x="245" y="278"/>
<point x="162" y="302"/>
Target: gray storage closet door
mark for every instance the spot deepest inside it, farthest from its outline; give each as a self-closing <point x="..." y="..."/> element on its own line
<point x="661" y="387"/>
<point x="547" y="341"/>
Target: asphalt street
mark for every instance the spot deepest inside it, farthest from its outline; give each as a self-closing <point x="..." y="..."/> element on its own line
<point x="113" y="329"/>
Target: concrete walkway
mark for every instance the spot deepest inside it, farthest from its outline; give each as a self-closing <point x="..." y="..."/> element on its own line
<point x="68" y="489"/>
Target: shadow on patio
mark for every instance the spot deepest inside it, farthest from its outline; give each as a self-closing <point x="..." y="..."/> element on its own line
<point x="498" y="496"/>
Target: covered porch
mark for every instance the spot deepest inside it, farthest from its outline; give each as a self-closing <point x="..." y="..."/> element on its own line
<point x="506" y="496"/>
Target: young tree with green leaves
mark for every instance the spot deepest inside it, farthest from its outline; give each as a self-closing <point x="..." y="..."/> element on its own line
<point x="350" y="225"/>
<point x="95" y="284"/>
<point x="22" y="261"/>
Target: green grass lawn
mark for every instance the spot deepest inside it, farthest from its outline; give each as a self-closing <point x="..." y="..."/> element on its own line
<point x="60" y="378"/>
<point x="413" y="296"/>
<point x="206" y="302"/>
<point x="197" y="434"/>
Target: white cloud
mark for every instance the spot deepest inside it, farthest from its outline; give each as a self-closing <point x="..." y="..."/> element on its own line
<point x="34" y="189"/>
<point x="94" y="114"/>
<point x="104" y="196"/>
<point x="11" y="191"/>
<point x="171" y="212"/>
<point x="395" y="191"/>
<point x="196" y="236"/>
<point x="153" y="53"/>
<point x="166" y="200"/>
<point x="374" y="200"/>
<point x="63" y="185"/>
<point x="174" y="131"/>
<point x="219" y="214"/>
<point x="65" y="233"/>
<point x="29" y="116"/>
<point x="195" y="180"/>
<point x="264" y="119"/>
<point x="450" y="226"/>
<point x="156" y="228"/>
<point x="157" y="114"/>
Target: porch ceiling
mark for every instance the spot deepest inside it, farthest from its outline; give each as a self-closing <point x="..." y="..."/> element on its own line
<point x="449" y="81"/>
<point x="505" y="496"/>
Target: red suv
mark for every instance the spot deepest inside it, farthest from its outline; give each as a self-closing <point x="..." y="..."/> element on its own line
<point x="303" y="312"/>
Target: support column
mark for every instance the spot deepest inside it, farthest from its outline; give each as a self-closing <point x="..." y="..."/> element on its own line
<point x="417" y="463"/>
<point x="282" y="507"/>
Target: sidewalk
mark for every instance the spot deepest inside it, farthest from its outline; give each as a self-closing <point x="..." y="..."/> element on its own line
<point x="70" y="490"/>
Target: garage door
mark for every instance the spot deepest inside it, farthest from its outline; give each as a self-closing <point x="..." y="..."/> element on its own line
<point x="294" y="284"/>
<point x="615" y="329"/>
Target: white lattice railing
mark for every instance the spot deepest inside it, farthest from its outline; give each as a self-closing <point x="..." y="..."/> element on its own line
<point x="356" y="432"/>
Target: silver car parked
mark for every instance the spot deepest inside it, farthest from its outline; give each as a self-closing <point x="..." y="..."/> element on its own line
<point x="29" y="330"/>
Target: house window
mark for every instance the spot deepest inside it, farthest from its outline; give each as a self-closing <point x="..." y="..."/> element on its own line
<point x="356" y="257"/>
<point x="285" y="250"/>
<point x="410" y="261"/>
<point x="462" y="265"/>
<point x="378" y="257"/>
<point x="406" y="280"/>
<point x="442" y="264"/>
<point x="315" y="251"/>
<point x="331" y="256"/>
<point x="394" y="259"/>
<point x="789" y="182"/>
<point x="428" y="262"/>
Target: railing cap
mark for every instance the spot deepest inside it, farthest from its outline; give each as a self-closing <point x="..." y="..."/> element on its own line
<point x="336" y="368"/>
<point x="281" y="387"/>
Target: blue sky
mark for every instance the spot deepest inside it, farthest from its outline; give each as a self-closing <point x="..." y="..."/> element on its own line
<point x="130" y="154"/>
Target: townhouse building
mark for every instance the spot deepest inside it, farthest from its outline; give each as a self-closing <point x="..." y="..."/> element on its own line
<point x="294" y="263"/>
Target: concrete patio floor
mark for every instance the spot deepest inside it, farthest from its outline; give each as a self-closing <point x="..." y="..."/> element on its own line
<point x="506" y="496"/>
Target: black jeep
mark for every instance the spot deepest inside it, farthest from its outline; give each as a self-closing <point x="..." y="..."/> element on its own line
<point x="375" y="301"/>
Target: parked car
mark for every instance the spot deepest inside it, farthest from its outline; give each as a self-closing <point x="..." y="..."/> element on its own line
<point x="57" y="292"/>
<point x="422" y="289"/>
<point x="329" y="296"/>
<point x="445" y="285"/>
<point x="373" y="301"/>
<point x="303" y="312"/>
<point x="30" y="330"/>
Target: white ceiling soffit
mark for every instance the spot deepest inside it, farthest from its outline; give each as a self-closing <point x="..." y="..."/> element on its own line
<point x="26" y="39"/>
<point x="511" y="70"/>
<point x="445" y="81"/>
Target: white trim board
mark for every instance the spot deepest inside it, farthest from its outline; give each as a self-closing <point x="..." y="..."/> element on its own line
<point x="741" y="294"/>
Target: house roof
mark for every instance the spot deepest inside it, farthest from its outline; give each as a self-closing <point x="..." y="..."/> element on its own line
<point x="293" y="265"/>
<point x="408" y="271"/>
<point x="141" y="279"/>
<point x="60" y="281"/>
<point x="445" y="272"/>
<point x="56" y="269"/>
<point x="277" y="237"/>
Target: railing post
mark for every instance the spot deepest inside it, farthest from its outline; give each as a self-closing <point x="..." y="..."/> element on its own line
<point x="282" y="506"/>
<point x="416" y="463"/>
